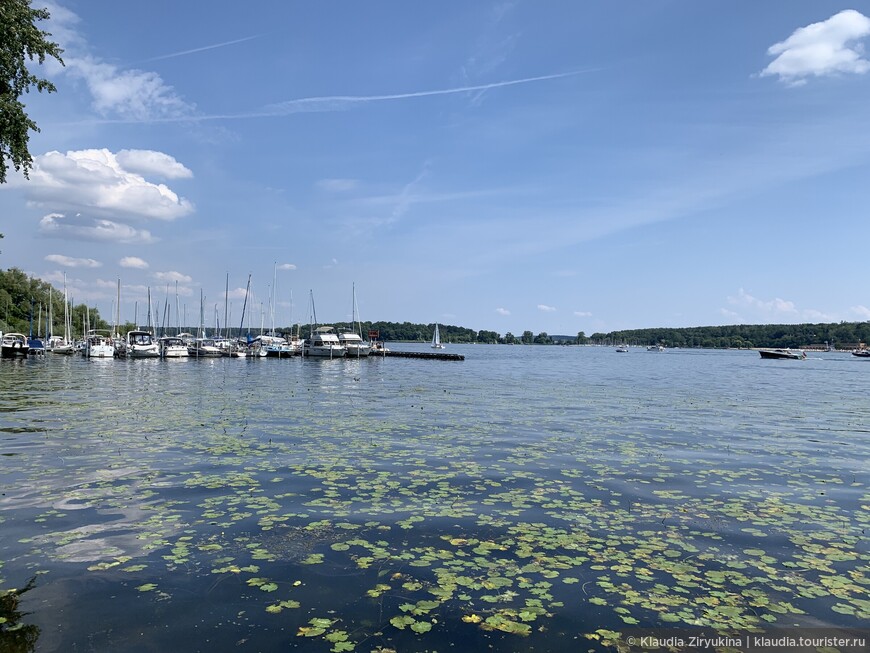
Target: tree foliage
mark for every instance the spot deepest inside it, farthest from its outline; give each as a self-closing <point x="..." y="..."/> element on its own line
<point x="20" y="41"/>
<point x="23" y="299"/>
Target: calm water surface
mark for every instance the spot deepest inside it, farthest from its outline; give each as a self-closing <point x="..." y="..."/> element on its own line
<point x="525" y="499"/>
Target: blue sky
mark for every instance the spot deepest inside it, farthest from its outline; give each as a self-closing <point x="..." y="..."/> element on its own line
<point x="546" y="166"/>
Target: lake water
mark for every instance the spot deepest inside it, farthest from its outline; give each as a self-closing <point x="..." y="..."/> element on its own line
<point x="525" y="499"/>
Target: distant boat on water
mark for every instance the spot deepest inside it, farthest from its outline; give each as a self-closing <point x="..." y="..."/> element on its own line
<point x="794" y="354"/>
<point x="436" y="339"/>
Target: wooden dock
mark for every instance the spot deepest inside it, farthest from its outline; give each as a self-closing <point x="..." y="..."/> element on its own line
<point x="431" y="355"/>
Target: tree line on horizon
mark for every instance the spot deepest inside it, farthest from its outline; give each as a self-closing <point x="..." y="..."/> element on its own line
<point x="24" y="301"/>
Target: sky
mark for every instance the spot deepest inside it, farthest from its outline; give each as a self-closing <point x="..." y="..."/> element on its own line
<point x="507" y="166"/>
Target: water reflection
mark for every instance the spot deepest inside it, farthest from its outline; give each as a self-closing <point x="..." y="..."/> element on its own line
<point x="16" y="636"/>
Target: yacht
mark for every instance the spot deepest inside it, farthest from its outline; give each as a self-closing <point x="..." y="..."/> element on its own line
<point x="98" y="346"/>
<point x="324" y="343"/>
<point x="354" y="344"/>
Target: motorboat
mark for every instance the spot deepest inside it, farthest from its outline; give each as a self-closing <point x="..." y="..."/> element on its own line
<point x="795" y="354"/>
<point x="622" y="349"/>
<point x="204" y="348"/>
<point x="14" y="345"/>
<point x="861" y="352"/>
<point x="141" y="344"/>
<point x="656" y="348"/>
<point x="276" y="346"/>
<point x="98" y="346"/>
<point x="172" y="347"/>
<point x="353" y="342"/>
<point x="324" y="343"/>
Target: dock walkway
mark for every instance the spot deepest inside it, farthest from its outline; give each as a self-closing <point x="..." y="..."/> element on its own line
<point x="423" y="354"/>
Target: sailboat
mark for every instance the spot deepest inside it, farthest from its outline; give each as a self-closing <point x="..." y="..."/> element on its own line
<point x="352" y="338"/>
<point x="436" y="339"/>
<point x="65" y="346"/>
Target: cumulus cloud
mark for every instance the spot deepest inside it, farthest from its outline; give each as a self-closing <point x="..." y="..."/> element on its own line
<point x="96" y="182"/>
<point x="236" y="293"/>
<point x="149" y="162"/>
<point x="772" y="306"/>
<point x="133" y="262"/>
<point x="502" y="311"/>
<point x="286" y="266"/>
<point x="546" y="309"/>
<point x="172" y="276"/>
<point x="829" y="47"/>
<point x="57" y="225"/>
<point x="70" y="262"/>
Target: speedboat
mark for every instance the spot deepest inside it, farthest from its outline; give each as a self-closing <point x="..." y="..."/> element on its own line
<point x="622" y="349"/>
<point x="655" y="348"/>
<point x="14" y="345"/>
<point x="795" y="354"/>
<point x="861" y="353"/>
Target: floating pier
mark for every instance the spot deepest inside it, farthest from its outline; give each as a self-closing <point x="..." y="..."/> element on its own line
<point x="422" y="354"/>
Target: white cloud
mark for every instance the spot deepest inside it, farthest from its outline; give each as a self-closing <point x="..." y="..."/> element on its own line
<point x="149" y="162"/>
<point x="172" y="275"/>
<point x="337" y="185"/>
<point x="57" y="225"/>
<point x="237" y="293"/>
<point x="133" y="262"/>
<point x="546" y="309"/>
<point x="772" y="306"/>
<point x="825" y="48"/>
<point x="286" y="266"/>
<point x="69" y="262"/>
<point x="127" y="94"/>
<point x="95" y="182"/>
<point x="502" y="311"/>
<point x="861" y="311"/>
<point x="582" y="313"/>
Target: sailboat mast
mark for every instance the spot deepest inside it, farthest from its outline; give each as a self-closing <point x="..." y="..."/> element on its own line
<point x="226" y="306"/>
<point x="244" y="306"/>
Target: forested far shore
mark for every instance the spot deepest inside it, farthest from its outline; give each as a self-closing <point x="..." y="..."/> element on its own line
<point x="25" y="301"/>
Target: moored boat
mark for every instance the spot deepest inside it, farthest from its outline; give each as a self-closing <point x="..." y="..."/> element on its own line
<point x="141" y="344"/>
<point x="172" y="347"/>
<point x="323" y="343"/>
<point x="204" y="348"/>
<point x="98" y="346"/>
<point x="14" y="345"/>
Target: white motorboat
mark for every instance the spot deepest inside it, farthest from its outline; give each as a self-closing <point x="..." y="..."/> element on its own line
<point x="141" y="344"/>
<point x="204" y="348"/>
<point x="172" y="347"/>
<point x="354" y="344"/>
<point x="324" y="343"/>
<point x="14" y="345"/>
<point x="98" y="346"/>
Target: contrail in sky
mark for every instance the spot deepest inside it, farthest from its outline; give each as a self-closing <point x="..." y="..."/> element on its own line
<point x="338" y="102"/>
<point x="202" y="49"/>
